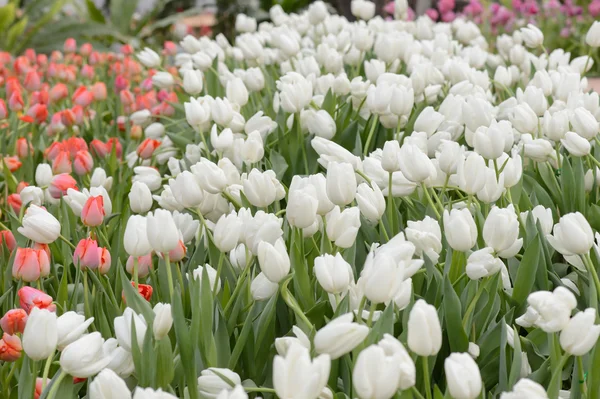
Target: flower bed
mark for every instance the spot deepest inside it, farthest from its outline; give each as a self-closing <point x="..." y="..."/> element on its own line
<point x="318" y="209"/>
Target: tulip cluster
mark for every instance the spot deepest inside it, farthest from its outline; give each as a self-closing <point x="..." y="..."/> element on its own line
<point x="318" y="208"/>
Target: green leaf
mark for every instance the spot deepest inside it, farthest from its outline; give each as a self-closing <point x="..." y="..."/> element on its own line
<point x="135" y="301"/>
<point x="121" y="12"/>
<point x="526" y="272"/>
<point x="240" y="342"/>
<point x="15" y="32"/>
<point x="7" y="16"/>
<point x="186" y="350"/>
<point x="459" y="342"/>
<point x="165" y="370"/>
<point x="515" y="368"/>
<point x="206" y="311"/>
<point x="93" y="12"/>
<point x="278" y="164"/>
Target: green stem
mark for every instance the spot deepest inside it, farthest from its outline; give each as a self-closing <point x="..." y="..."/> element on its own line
<point x="361" y="306"/>
<point x="135" y="272"/>
<point x="390" y="205"/>
<point x="555" y="382"/>
<point x="582" y="377"/>
<point x="371" y="313"/>
<point x="219" y="270"/>
<point x="46" y="371"/>
<point x="587" y="260"/>
<point x="56" y="384"/>
<point x="426" y="382"/>
<point x="370" y="136"/>
<point x="237" y="290"/>
<point x="259" y="389"/>
<point x="169" y="273"/>
<point x="301" y="142"/>
<point x="67" y="241"/>
<point x="86" y="298"/>
<point x="433" y="206"/>
<point x="416" y="392"/>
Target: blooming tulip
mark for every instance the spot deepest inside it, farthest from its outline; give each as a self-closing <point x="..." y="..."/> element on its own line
<point x="371" y="201"/>
<point x="10" y="347"/>
<point x="39" y="225"/>
<point x="482" y="263"/>
<point x="501" y="231"/>
<point x="552" y="310"/>
<point x="162" y="231"/>
<point x="85" y="357"/>
<point x="163" y="320"/>
<point x="291" y="372"/>
<point x="149" y="393"/>
<point x="526" y="388"/>
<point x="30" y="298"/>
<point x="41" y="334"/>
<point x="210" y="383"/>
<point x="86" y="254"/>
<point x="572" y="235"/>
<point x="71" y="326"/>
<point x="424" y="330"/>
<point x="121" y="360"/>
<point x="342" y="227"/>
<point x="123" y="331"/>
<point x="580" y="334"/>
<point x="340" y="336"/>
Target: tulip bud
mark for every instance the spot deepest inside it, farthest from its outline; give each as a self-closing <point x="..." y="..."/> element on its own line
<point x="10" y="347"/>
<point x="592" y="38"/>
<point x="340" y="336"/>
<point x="377" y="373"/>
<point x="84" y="357"/>
<point x="212" y="276"/>
<point x="30" y="298"/>
<point x="262" y="288"/>
<point x="460" y="229"/>
<point x="320" y="123"/>
<point x="135" y="238"/>
<point x="210" y="383"/>
<point x="163" y="320"/>
<point x="154" y="131"/>
<point x="341" y="183"/>
<point x="260" y="188"/>
<point x="576" y="145"/>
<point x="40" y="336"/>
<point x="462" y="376"/>
<point x="140" y="198"/>
<point x="370" y="201"/>
<point x="162" y="231"/>
<point x="342" y="227"/>
<point x="123" y="329"/>
<point x="333" y="273"/>
<point x="572" y="235"/>
<point x="253" y="149"/>
<point x="297" y="365"/>
<point x="193" y="81"/>
<point x="186" y="190"/>
<point x="71" y="326"/>
<point x="424" y="329"/>
<point x="532" y="36"/>
<point x="92" y="213"/>
<point x="584" y="123"/>
<point x="227" y="232"/>
<point x="163" y="80"/>
<point x="380" y="283"/>
<point x="149" y="58"/>
<point x="209" y="176"/>
<point x="43" y="175"/>
<point x="60" y="184"/>
<point x="526" y="388"/>
<point x="13" y="321"/>
<point x="501" y="231"/>
<point x="493" y="188"/>
<point x="237" y="92"/>
<point x="274" y="260"/>
<point x="39" y="225"/>
<point x="108" y="385"/>
<point x="83" y="163"/>
<point x="30" y="264"/>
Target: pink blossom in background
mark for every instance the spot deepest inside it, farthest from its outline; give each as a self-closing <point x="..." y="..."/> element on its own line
<point x="446" y="6"/>
<point x="531" y="7"/>
<point x="565" y="32"/>
<point x="501" y="16"/>
<point x="432" y="13"/>
<point x="552" y="5"/>
<point x="594" y="8"/>
<point x="474" y="8"/>
<point x="448" y="16"/>
<point x="389" y="8"/>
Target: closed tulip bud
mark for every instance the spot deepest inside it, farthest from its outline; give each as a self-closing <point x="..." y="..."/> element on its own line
<point x="390" y="157"/>
<point x="403" y="295"/>
<point x="402" y="101"/>
<point x="576" y="145"/>
<point x="592" y="38"/>
<point x="141" y="117"/>
<point x="149" y="393"/>
<point x="30" y="264"/>
<point x="149" y="58"/>
<point x="149" y="176"/>
<point x="163" y="320"/>
<point x="297" y="366"/>
<point x="10" y="347"/>
<point x="341" y="183"/>
<point x="186" y="190"/>
<point x="71" y="326"/>
<point x="197" y="113"/>
<point x="542" y="215"/>
<point x="105" y="260"/>
<point x="43" y="175"/>
<point x="39" y="225"/>
<point x="526" y="388"/>
<point x="221" y="111"/>
<point x="370" y="201"/>
<point x="211" y="273"/>
<point x="320" y="123"/>
<point x="253" y="149"/>
<point x="274" y="260"/>
<point x="41" y="334"/>
<point x="135" y="239"/>
<point x="489" y="141"/>
<point x="462" y="376"/>
<point x="523" y="118"/>
<point x="424" y="330"/>
<point x="415" y="165"/>
<point x="535" y="98"/>
<point x="13" y="321"/>
<point x="259" y="188"/>
<point x="572" y="235"/>
<point x="501" y="232"/>
<point x="226" y="233"/>
<point x="162" y="231"/>
<point x="254" y="79"/>
<point x="30" y="298"/>
<point x="85" y="357"/>
<point x="262" y="288"/>
<point x="295" y="92"/>
<point x="123" y="331"/>
<point x="460" y="229"/>
<point x="302" y="205"/>
<point x="92" y="213"/>
<point x="584" y="123"/>
<point x="193" y="81"/>
<point x="580" y="334"/>
<point x="210" y="383"/>
<point x="483" y="263"/>
<point x="333" y="273"/>
<point x="108" y="385"/>
<point x="163" y="80"/>
<point x="449" y="155"/>
<point x="140" y="198"/>
<point x="342" y="226"/>
<point x="154" y="131"/>
<point x="378" y="372"/>
<point x="362" y="9"/>
<point x="60" y="184"/>
<point x="471" y="173"/>
<point x="83" y="163"/>
<point x="237" y="92"/>
<point x="86" y="254"/>
<point x="209" y="176"/>
<point x="340" y="336"/>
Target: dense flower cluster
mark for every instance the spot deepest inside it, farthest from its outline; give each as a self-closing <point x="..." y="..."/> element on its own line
<point x="321" y="208"/>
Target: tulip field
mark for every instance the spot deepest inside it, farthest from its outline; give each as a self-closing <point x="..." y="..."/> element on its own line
<point x="315" y="208"/>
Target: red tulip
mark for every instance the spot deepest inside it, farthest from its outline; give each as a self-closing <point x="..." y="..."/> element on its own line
<point x="10" y="348"/>
<point x="13" y="321"/>
<point x="7" y="238"/>
<point x="62" y="163"/>
<point x="30" y="264"/>
<point x="86" y="254"/>
<point x="60" y="184"/>
<point x="14" y="200"/>
<point x="30" y="298"/>
<point x="147" y="148"/>
<point x="83" y="163"/>
<point x="93" y="213"/>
